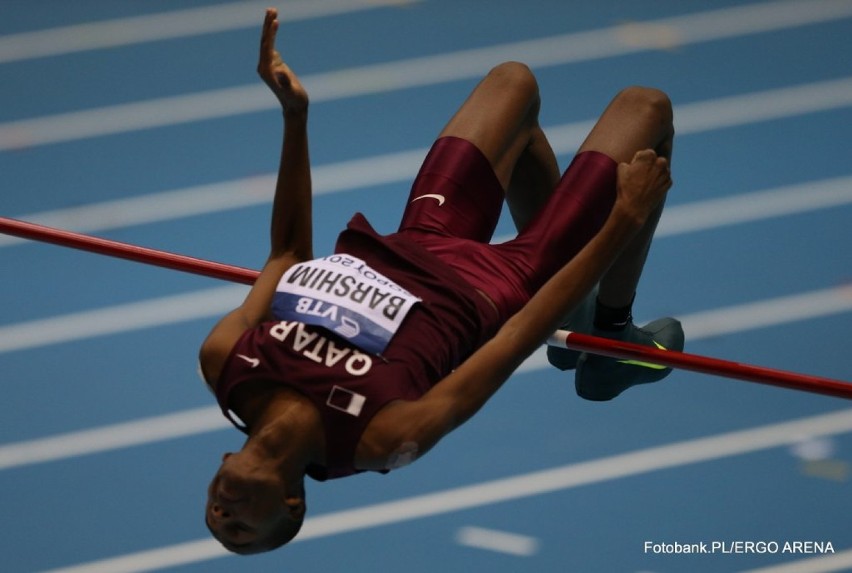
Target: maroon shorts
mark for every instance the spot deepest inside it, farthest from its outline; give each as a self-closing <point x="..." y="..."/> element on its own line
<point x="456" y="201"/>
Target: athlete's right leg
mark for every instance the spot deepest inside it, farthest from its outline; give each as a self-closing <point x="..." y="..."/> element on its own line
<point x="638" y="118"/>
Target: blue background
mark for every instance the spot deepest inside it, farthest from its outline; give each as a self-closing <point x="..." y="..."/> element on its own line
<point x="83" y="509"/>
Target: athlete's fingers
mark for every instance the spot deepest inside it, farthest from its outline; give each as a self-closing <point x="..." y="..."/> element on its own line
<point x="267" y="36"/>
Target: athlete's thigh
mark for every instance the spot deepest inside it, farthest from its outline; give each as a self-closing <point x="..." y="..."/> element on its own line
<point x="637" y="118"/>
<point x="498" y="115"/>
<point x="455" y="193"/>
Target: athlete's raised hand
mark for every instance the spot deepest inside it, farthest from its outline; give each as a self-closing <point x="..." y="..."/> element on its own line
<point x="275" y="73"/>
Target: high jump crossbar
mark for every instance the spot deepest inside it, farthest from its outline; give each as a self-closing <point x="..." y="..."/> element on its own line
<point x="561" y="338"/>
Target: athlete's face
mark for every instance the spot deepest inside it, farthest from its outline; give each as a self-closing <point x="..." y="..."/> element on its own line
<point x="245" y="505"/>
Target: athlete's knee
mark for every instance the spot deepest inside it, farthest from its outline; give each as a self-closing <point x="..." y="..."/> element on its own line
<point x="517" y="78"/>
<point x="650" y="103"/>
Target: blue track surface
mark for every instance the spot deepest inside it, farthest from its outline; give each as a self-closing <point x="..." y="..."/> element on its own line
<point x="85" y="503"/>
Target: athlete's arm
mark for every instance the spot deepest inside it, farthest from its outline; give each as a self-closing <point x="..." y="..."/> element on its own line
<point x="422" y="423"/>
<point x="291" y="230"/>
<point x="291" y="239"/>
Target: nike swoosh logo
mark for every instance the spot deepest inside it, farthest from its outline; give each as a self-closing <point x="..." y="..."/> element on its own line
<point x="439" y="198"/>
<point x="647" y="364"/>
<point x="255" y="362"/>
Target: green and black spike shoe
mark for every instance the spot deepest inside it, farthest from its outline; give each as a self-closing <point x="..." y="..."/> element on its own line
<point x="578" y="321"/>
<point x="601" y="378"/>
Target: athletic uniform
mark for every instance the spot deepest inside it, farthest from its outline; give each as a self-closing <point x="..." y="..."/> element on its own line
<point x="441" y="255"/>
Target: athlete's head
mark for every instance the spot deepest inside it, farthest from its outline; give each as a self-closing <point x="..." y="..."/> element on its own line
<point x="251" y="509"/>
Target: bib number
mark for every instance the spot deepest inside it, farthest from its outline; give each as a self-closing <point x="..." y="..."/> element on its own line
<point x="345" y="295"/>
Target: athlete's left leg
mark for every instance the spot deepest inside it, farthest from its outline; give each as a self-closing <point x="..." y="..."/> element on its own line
<point x="500" y="117"/>
<point x="490" y="150"/>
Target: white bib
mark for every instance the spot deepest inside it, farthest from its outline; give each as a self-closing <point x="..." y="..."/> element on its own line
<point x="343" y="294"/>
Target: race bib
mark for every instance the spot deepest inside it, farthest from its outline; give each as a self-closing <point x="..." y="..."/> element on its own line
<point x="344" y="295"/>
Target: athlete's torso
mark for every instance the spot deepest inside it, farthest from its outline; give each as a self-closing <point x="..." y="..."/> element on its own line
<point x="347" y="385"/>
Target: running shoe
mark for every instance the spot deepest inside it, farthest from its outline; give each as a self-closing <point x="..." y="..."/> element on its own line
<point x="580" y="320"/>
<point x="602" y="378"/>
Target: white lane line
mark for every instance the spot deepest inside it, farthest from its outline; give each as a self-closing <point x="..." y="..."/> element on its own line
<point x="110" y="320"/>
<point x="498" y="541"/>
<point x="113" y="437"/>
<point x="213" y="302"/>
<point x="753" y="108"/>
<point x="698" y="326"/>
<point x="755" y="206"/>
<point x="421" y="71"/>
<point x="768" y="313"/>
<point x="731" y="111"/>
<point x="354" y="174"/>
<point x="570" y="476"/>
<point x="168" y="25"/>
<point x="215" y="197"/>
<point x="118" y="436"/>
<point x="747" y="207"/>
<point x="749" y="316"/>
<point x="824" y="564"/>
